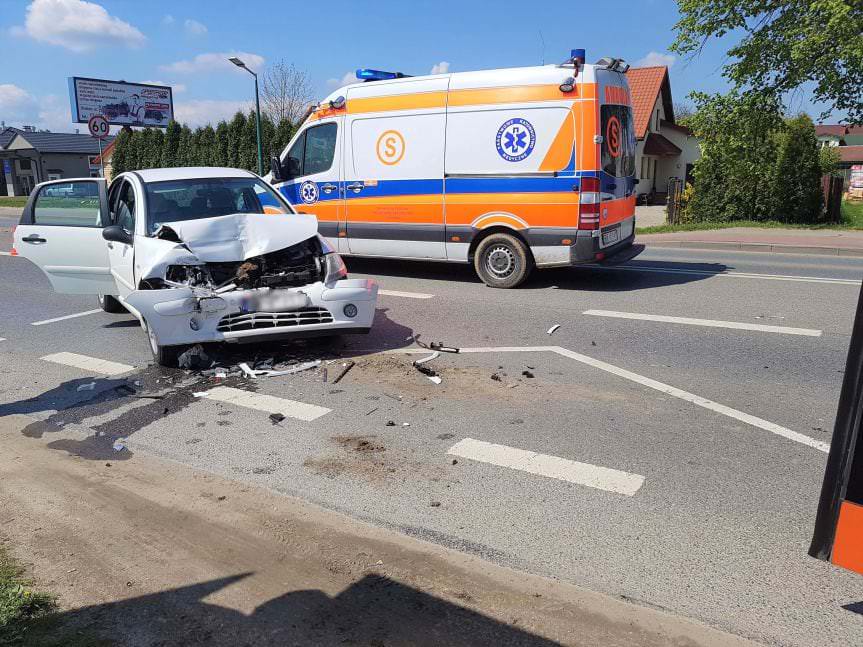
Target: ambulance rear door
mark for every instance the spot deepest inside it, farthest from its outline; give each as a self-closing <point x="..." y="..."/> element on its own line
<point x="394" y="159"/>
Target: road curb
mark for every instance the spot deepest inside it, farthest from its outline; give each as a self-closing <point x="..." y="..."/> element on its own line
<point x="755" y="247"/>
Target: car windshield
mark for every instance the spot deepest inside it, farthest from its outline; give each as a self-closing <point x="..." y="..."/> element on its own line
<point x="177" y="200"/>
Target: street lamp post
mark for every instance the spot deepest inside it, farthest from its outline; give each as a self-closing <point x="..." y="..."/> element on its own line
<point x="236" y="61"/>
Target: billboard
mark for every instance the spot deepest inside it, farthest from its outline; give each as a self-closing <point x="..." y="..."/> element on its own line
<point x="121" y="103"/>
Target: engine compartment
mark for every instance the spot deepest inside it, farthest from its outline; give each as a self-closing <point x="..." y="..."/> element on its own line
<point x="293" y="266"/>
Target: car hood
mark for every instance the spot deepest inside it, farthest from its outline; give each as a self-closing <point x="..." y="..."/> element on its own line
<point x="239" y="236"/>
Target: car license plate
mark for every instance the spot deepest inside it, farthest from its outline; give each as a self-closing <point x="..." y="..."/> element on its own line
<point x="611" y="236"/>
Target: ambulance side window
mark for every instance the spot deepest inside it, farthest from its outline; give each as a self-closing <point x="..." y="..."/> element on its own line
<point x="294" y="160"/>
<point x="618" y="140"/>
<point x="320" y="148"/>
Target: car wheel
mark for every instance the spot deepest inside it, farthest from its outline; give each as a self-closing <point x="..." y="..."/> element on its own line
<point x="110" y="304"/>
<point x="164" y="355"/>
<point x="502" y="261"/>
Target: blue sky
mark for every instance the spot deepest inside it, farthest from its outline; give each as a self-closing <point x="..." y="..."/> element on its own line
<point x="185" y="42"/>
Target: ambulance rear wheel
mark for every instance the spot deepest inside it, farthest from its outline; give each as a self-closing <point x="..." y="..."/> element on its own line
<point x="502" y="261"/>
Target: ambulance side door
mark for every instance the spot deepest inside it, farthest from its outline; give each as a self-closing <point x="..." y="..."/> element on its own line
<point x="312" y="167"/>
<point x="394" y="163"/>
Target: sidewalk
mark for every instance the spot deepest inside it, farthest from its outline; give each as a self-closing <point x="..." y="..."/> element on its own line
<point x="831" y="242"/>
<point x="148" y="550"/>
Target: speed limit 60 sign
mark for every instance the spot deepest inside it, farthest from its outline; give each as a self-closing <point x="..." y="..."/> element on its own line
<point x="98" y="126"/>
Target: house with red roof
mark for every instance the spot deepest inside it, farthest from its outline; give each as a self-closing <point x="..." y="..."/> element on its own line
<point x="666" y="150"/>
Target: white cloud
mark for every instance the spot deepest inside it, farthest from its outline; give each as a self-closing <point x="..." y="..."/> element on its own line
<point x="194" y="28"/>
<point x="198" y="112"/>
<point x="77" y="25"/>
<point x="16" y="104"/>
<point x="654" y="59"/>
<point x="213" y="62"/>
<point x="440" y="68"/>
<point x="177" y="88"/>
<point x="20" y="108"/>
<point x="347" y="79"/>
<point x="168" y="19"/>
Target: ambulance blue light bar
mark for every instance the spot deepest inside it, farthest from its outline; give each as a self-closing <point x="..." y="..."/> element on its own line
<point x="578" y="55"/>
<point x="378" y="75"/>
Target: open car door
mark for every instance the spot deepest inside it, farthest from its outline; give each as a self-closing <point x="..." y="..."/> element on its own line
<point x="61" y="232"/>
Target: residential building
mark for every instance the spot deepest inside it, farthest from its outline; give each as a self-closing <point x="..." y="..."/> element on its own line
<point x="666" y="150"/>
<point x="848" y="141"/>
<point x="28" y="157"/>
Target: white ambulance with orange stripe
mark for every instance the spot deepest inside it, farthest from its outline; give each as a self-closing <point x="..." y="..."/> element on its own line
<point x="507" y="169"/>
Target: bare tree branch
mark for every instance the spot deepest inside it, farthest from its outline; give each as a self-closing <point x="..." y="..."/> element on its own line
<point x="286" y="92"/>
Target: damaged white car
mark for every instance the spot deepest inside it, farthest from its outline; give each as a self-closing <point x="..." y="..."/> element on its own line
<point x="196" y="254"/>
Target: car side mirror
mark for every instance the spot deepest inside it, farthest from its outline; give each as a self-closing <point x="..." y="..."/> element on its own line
<point x="276" y="169"/>
<point x="635" y="181"/>
<point x="116" y="234"/>
<point x="293" y="167"/>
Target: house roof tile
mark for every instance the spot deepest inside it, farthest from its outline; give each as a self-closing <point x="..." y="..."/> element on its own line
<point x="63" y="142"/>
<point x="850" y="153"/>
<point x="645" y="85"/>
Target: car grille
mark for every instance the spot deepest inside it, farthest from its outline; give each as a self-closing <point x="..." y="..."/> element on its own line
<point x="268" y="320"/>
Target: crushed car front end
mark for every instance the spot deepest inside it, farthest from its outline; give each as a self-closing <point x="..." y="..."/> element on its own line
<point x="219" y="283"/>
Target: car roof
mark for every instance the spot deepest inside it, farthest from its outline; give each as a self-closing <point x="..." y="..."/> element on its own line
<point x="190" y="173"/>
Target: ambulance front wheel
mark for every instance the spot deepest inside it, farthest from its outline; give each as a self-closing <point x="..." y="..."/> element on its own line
<point x="502" y="261"/>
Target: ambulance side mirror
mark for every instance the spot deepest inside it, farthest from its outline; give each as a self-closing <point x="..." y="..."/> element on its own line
<point x="276" y="169"/>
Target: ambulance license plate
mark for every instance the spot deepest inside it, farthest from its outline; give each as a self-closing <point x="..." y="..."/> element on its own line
<point x="609" y="237"/>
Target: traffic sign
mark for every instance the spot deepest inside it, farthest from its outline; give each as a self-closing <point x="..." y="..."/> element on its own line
<point x="98" y="126"/>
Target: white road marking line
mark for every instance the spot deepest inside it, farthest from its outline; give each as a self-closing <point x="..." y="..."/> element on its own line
<point x="63" y="318"/>
<point x="602" y="478"/>
<point x="711" y="323"/>
<point x="2" y="339"/>
<point x="766" y="425"/>
<point x="737" y="275"/>
<point x="267" y="403"/>
<point x="93" y="364"/>
<point x="754" y="421"/>
<point x="409" y="295"/>
<point x="5" y="253"/>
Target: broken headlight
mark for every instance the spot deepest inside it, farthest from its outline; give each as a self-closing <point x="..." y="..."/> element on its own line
<point x="334" y="268"/>
<point x="191" y="275"/>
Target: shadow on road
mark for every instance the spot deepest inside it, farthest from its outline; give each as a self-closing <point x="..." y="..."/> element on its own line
<point x="374" y="611"/>
<point x="635" y="275"/>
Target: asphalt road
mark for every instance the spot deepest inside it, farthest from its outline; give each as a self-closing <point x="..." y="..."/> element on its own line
<point x="680" y="464"/>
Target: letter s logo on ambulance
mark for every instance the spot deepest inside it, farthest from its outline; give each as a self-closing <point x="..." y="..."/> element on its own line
<point x="309" y="192"/>
<point x="515" y="139"/>
<point x="390" y="147"/>
<point x="612" y="136"/>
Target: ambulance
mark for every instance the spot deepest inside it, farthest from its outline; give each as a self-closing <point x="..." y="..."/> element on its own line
<point x="507" y="169"/>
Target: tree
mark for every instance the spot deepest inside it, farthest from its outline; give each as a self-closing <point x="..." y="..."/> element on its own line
<point x="187" y="155"/>
<point x="796" y="181"/>
<point x="286" y="92"/>
<point x="738" y="153"/>
<point x="236" y="155"/>
<point x="284" y="131"/>
<point x="222" y="144"/>
<point x="206" y="144"/>
<point x="785" y="44"/>
<point x="120" y="157"/>
<point x="171" y="145"/>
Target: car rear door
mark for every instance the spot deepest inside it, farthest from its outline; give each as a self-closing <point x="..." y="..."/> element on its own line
<point x="61" y="232"/>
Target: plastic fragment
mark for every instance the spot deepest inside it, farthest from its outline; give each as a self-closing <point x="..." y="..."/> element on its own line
<point x="527" y="374"/>
<point x="119" y="444"/>
<point x="551" y="330"/>
<point x="195" y="358"/>
<point x="86" y="387"/>
<point x="434" y="355"/>
<point x="276" y="418"/>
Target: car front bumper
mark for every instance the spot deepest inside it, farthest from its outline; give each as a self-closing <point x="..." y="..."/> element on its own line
<point x="179" y="316"/>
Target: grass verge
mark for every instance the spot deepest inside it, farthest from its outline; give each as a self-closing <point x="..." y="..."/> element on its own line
<point x="13" y="201"/>
<point x="28" y="618"/>
<point x="852" y="218"/>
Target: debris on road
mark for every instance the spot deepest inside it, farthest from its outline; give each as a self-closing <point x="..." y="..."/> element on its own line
<point x="435" y="345"/>
<point x="527" y="374"/>
<point x="454" y="461"/>
<point x="496" y="377"/>
<point x="276" y="418"/>
<point x="434" y="355"/>
<point x="119" y="444"/>
<point x="406" y="424"/>
<point x="551" y="330"/>
<point x="434" y="378"/>
<point x="324" y="374"/>
<point x="435" y="504"/>
<point x="347" y="366"/>
<point x="86" y="387"/>
<point x="368" y="413"/>
<point x="195" y="358"/>
<point x="391" y="423"/>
